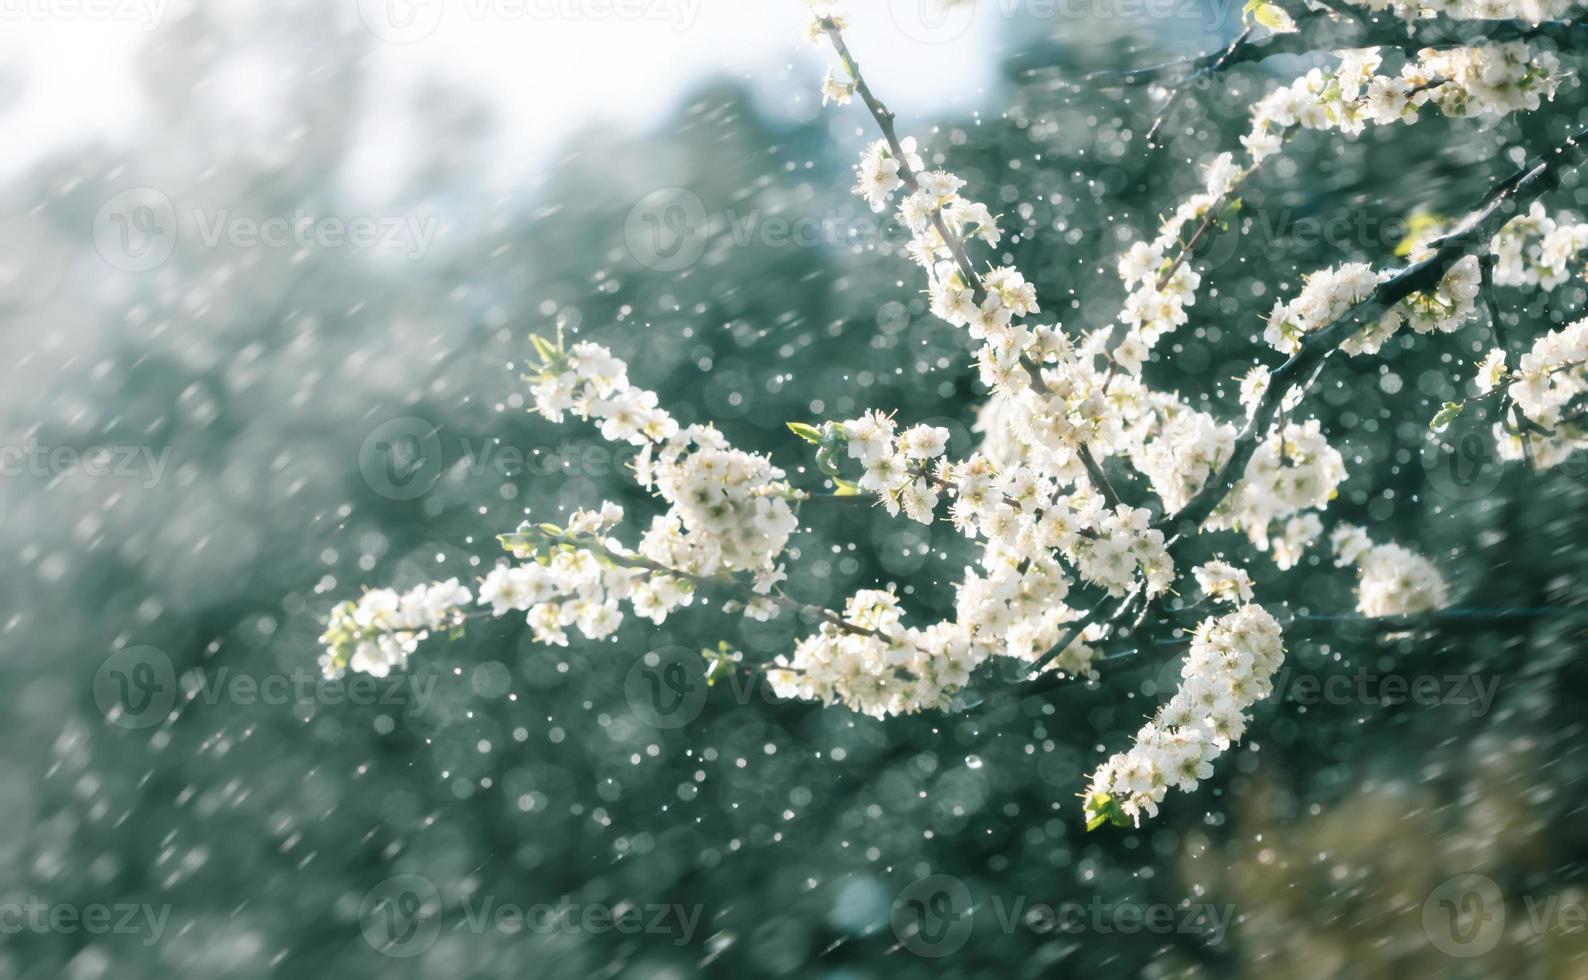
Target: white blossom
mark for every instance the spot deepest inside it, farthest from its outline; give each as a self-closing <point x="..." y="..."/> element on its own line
<point x="1230" y="666"/>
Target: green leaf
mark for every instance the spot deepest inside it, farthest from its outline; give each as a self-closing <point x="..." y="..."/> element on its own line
<point x="1102" y="808"/>
<point x="546" y="349"/>
<point x="1447" y="415"/>
<point x="1269" y="16"/>
<point x="809" y="433"/>
<point x="719" y="664"/>
<point x="845" y="487"/>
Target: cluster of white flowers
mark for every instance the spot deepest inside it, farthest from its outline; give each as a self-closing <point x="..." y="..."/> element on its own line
<point x="1452" y="303"/>
<point x="1293" y="471"/>
<point x="1020" y="513"/>
<point x="1330" y="293"/>
<point x="1530" y="250"/>
<point x="1064" y="405"/>
<point x="593" y="384"/>
<point x="896" y="468"/>
<point x="1391" y="580"/>
<point x="1536" y="250"/>
<point x="377" y="633"/>
<point x="877" y="175"/>
<point x="1189" y="447"/>
<point x="1014" y="607"/>
<point x="571" y="587"/>
<point x="1229" y="668"/>
<point x="1483" y="80"/>
<point x="1325" y="296"/>
<point x="1222" y="581"/>
<point x="888" y="671"/>
<point x="1550" y="386"/>
<point x="1480" y="80"/>
<point x="1486" y="79"/>
<point x="1156" y="304"/>
<point x="728" y="510"/>
<point x="1125" y="545"/>
<point x="987" y="306"/>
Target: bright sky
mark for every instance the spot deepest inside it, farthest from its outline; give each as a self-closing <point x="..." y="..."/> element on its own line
<point x="545" y="66"/>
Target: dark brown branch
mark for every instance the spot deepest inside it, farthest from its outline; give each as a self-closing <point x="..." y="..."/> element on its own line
<point x="1498" y="206"/>
<point x="1325" y="33"/>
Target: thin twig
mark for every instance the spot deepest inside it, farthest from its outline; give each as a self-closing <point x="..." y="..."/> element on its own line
<point x="1181" y="86"/>
<point x="885" y="122"/>
<point x="1486" y="268"/>
<point x="743" y="592"/>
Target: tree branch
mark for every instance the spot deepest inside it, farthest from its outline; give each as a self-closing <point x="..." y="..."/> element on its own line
<point x="884" y="117"/>
<point x="745" y="594"/>
<point x="1498" y="206"/>
<point x="1222" y="59"/>
<point x="1325" y="33"/>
